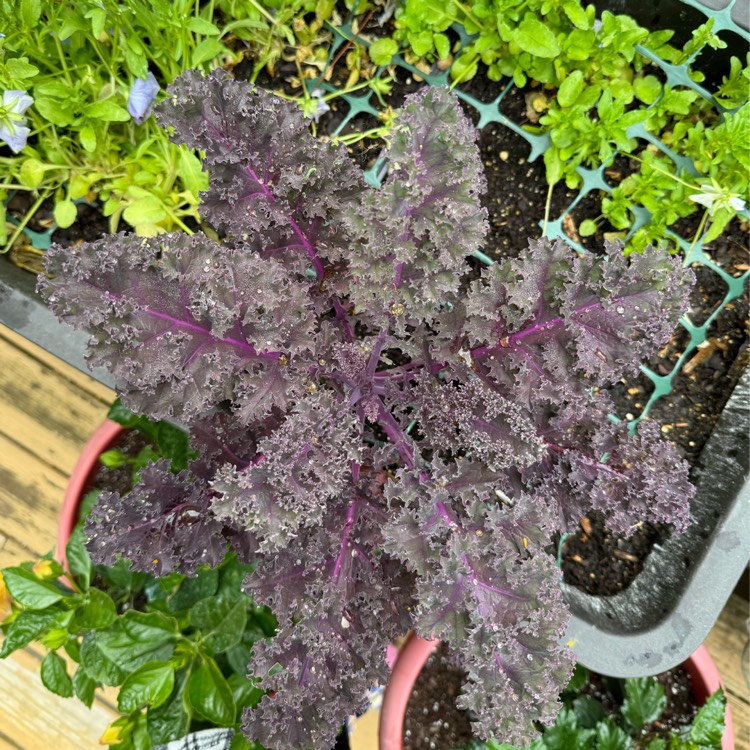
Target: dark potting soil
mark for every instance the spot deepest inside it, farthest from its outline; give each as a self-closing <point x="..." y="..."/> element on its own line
<point x="603" y="563"/>
<point x="120" y="478"/>
<point x="433" y="722"/>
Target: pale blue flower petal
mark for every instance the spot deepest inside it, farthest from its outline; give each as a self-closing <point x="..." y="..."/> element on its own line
<point x="16" y="138"/>
<point x="142" y="95"/>
<point x="17" y="101"/>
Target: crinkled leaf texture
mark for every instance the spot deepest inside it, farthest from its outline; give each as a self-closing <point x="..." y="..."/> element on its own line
<point x="389" y="442"/>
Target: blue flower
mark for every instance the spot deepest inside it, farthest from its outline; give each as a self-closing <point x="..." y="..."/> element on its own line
<point x="142" y="95"/>
<point x="13" y="128"/>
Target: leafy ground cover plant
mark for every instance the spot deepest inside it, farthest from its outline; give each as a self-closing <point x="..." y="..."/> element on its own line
<point x="176" y="648"/>
<point x="593" y="88"/>
<point x="584" y="723"/>
<point x="388" y="435"/>
<point x="89" y="74"/>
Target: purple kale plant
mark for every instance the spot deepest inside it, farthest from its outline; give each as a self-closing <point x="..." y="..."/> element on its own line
<point x="388" y="434"/>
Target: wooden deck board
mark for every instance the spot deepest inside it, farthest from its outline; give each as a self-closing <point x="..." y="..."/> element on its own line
<point x="36" y="456"/>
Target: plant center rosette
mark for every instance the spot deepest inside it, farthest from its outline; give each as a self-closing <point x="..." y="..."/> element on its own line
<point x="388" y="435"/>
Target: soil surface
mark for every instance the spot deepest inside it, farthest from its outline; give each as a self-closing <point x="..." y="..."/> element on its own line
<point x="432" y="721"/>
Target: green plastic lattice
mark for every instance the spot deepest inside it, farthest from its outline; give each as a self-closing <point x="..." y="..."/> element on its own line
<point x="593" y="179"/>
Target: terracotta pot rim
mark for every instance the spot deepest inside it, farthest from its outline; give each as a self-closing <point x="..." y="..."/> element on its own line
<point x="415" y="651"/>
<point x="81" y="479"/>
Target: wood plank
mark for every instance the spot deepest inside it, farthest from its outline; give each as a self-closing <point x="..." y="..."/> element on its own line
<point x="82" y="380"/>
<point x="35" y="719"/>
<point x="31" y="493"/>
<point x="43" y="411"/>
<point x="13" y="552"/>
<point x="725" y="643"/>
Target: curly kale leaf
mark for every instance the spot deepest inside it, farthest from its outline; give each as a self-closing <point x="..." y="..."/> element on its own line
<point x="416" y="231"/>
<point x="164" y="524"/>
<point x="266" y="169"/>
<point x="300" y="469"/>
<point x="185" y="324"/>
<point x="591" y="463"/>
<point x="336" y="617"/>
<point x="484" y="585"/>
<point x="553" y="322"/>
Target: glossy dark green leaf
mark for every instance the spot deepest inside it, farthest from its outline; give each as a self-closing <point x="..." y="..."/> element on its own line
<point x="170" y="720"/>
<point x="97" y="611"/>
<point x="84" y="687"/>
<point x="173" y="444"/>
<point x="644" y="701"/>
<point x="588" y="710"/>
<point x="99" y="665"/>
<point x="209" y="694"/>
<point x="192" y="590"/>
<point x="708" y="726"/>
<point x="611" y="737"/>
<point x="130" y="654"/>
<point x="145" y="627"/>
<point x="26" y="628"/>
<point x="222" y="621"/>
<point x="55" y="675"/>
<point x="78" y="558"/>
<point x="28" y="590"/>
<point x="245" y="691"/>
<point x="150" y="685"/>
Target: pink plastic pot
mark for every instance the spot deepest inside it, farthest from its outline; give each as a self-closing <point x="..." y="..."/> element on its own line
<point x="81" y="481"/>
<point x="415" y="651"/>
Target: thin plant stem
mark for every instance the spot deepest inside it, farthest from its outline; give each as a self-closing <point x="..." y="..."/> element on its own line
<point x="22" y="224"/>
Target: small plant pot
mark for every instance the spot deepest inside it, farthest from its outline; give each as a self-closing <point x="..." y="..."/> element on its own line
<point x="81" y="481"/>
<point x="415" y="651"/>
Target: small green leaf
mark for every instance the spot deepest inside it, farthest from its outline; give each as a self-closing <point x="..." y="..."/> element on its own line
<point x="113" y="458"/>
<point x="31" y="173"/>
<point x="708" y="725"/>
<point x="191" y="172"/>
<point x="84" y="687"/>
<point x="576" y="13"/>
<point x="87" y="134"/>
<point x="29" y="626"/>
<point x="55" y="675"/>
<point x="644" y="701"/>
<point x="589" y="712"/>
<point x="150" y="685"/>
<point x="30" y="12"/>
<point x="210" y="695"/>
<point x="122" y="415"/>
<point x="587" y="228"/>
<point x="65" y="213"/>
<point x="207" y="50"/>
<point x="647" y="88"/>
<point x="28" y="590"/>
<point x="173" y="444"/>
<point x="98" y="18"/>
<point x="146" y="210"/>
<point x="534" y="37"/>
<point x="20" y="67"/>
<point x="222" y="619"/>
<point x="382" y="51"/>
<point x="611" y="737"/>
<point x="200" y="26"/>
<point x="442" y="45"/>
<point x="98" y="610"/>
<point x="108" y="111"/>
<point x="570" y="89"/>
